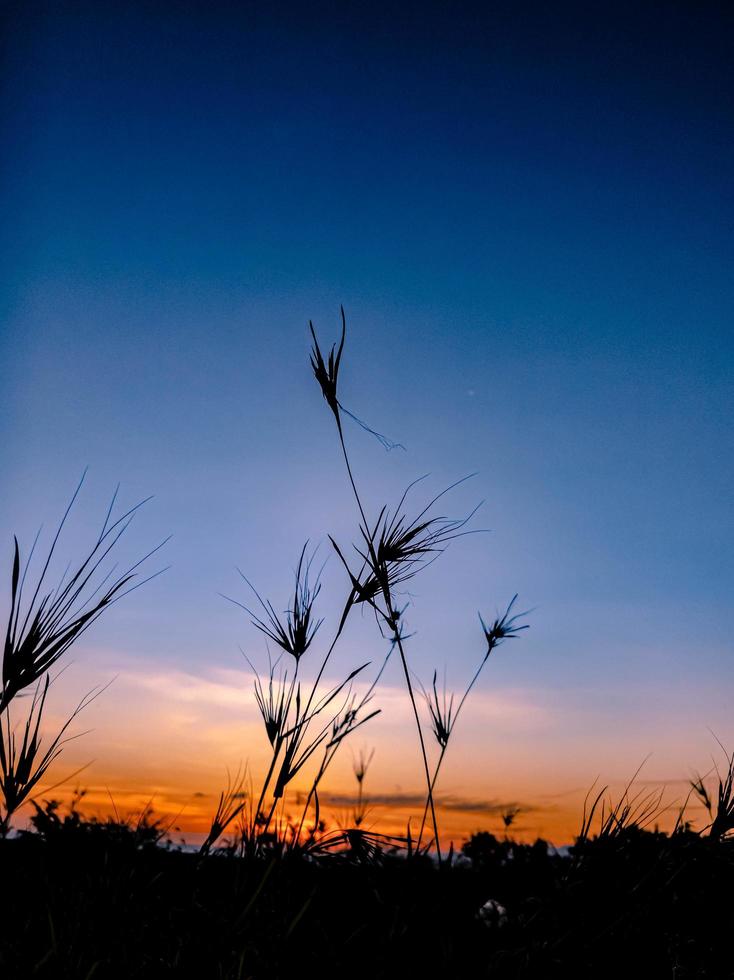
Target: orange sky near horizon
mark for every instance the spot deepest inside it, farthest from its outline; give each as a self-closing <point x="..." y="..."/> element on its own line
<point x="522" y="234"/>
<point x="168" y="738"/>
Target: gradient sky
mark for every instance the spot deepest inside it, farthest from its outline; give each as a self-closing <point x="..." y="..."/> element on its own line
<point x="526" y="211"/>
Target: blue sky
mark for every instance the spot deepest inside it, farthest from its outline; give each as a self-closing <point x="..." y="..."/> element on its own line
<point x="527" y="214"/>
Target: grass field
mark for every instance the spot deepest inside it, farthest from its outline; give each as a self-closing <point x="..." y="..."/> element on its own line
<point x="86" y="899"/>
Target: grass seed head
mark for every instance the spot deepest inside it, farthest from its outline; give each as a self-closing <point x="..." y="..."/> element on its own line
<point x="295" y="630"/>
<point x="503" y="627"/>
<point x="362" y="764"/>
<point x="40" y="630"/>
<point x="326" y="372"/>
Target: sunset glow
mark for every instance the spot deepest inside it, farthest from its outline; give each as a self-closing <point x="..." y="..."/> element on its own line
<point x="529" y="229"/>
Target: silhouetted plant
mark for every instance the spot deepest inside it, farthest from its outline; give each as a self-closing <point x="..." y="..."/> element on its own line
<point x="295" y="632"/>
<point x="300" y="719"/>
<point x="509" y="816"/>
<point x="136" y="831"/>
<point x="392" y="549"/>
<point x="343" y="725"/>
<point x="232" y="802"/>
<point x="360" y="768"/>
<point x="721" y="808"/>
<point x="441" y="707"/>
<point x="36" y="638"/>
<point x="40" y="631"/>
<point x="632" y="811"/>
<point x="24" y="763"/>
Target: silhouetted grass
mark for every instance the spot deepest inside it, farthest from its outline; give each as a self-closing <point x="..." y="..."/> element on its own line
<point x="392" y="550"/>
<point x="105" y="899"/>
<point x="306" y="722"/>
<point x="40" y="630"/>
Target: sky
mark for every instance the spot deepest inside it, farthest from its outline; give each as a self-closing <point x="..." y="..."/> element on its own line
<point x="526" y="211"/>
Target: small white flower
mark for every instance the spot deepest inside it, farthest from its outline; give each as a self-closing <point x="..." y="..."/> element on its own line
<point x="492" y="913"/>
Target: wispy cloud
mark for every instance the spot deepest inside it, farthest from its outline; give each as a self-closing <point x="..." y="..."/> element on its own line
<point x="494" y="807"/>
<point x="221" y="687"/>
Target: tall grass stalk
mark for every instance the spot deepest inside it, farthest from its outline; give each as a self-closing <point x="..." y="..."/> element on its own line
<point x="392" y="550"/>
<point x="443" y="718"/>
<point x="327" y="375"/>
<point x="302" y="723"/>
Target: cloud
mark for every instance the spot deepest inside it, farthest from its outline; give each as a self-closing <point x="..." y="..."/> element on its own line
<point x="496" y="807"/>
<point x="415" y="800"/>
<point x="227" y="688"/>
<point x="221" y="689"/>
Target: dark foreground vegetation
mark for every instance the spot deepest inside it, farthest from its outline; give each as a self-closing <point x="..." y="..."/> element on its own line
<point x="83" y="899"/>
